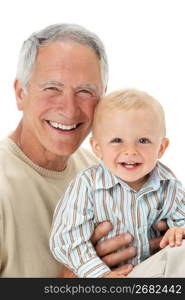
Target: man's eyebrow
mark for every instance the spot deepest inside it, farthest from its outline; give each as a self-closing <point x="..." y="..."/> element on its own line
<point x="92" y="87"/>
<point x="52" y="82"/>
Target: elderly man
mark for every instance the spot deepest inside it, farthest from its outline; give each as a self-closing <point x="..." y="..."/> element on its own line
<point x="61" y="75"/>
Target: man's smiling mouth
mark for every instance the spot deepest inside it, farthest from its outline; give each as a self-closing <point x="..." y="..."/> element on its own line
<point x="63" y="127"/>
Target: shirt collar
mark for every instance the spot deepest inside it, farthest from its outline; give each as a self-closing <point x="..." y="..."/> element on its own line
<point x="164" y="172"/>
<point x="106" y="180"/>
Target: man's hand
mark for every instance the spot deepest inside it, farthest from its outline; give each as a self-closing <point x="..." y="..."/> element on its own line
<point x="107" y="249"/>
<point x="120" y="272"/>
<point x="66" y="273"/>
<point x="155" y="243"/>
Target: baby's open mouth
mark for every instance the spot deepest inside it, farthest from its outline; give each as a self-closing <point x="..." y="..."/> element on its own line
<point x="130" y="165"/>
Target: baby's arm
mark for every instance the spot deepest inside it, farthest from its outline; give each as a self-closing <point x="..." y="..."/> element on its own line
<point x="72" y="229"/>
<point x="173" y="237"/>
<point x="176" y="220"/>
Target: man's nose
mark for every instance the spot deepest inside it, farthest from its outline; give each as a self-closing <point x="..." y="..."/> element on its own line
<point x="69" y="104"/>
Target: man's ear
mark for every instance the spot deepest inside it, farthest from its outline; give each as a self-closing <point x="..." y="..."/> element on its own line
<point x="19" y="93"/>
<point x="95" y="147"/>
<point x="163" y="146"/>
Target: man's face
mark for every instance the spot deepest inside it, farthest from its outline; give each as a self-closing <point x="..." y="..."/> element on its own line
<point x="63" y="90"/>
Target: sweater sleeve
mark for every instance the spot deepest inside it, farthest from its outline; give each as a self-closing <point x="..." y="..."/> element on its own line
<point x="72" y="229"/>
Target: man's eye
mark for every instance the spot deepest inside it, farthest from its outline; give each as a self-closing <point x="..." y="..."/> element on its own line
<point x="144" y="141"/>
<point x="87" y="92"/>
<point x="84" y="91"/>
<point x="116" y="140"/>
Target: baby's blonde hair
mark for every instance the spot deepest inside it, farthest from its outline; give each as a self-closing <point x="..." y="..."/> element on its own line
<point x="128" y="99"/>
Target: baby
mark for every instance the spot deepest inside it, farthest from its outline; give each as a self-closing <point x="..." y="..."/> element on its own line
<point x="130" y="187"/>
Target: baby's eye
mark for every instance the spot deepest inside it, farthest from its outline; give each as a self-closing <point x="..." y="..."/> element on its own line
<point x="144" y="141"/>
<point x="116" y="140"/>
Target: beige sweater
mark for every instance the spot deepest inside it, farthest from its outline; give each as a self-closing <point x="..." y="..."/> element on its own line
<point x="28" y="197"/>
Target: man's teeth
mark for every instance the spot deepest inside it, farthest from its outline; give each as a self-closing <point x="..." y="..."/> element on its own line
<point x="63" y="127"/>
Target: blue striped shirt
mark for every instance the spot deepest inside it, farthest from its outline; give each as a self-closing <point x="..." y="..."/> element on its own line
<point x="96" y="195"/>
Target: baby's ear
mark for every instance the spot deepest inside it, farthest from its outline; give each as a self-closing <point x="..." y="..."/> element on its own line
<point x="163" y="146"/>
<point x="95" y="147"/>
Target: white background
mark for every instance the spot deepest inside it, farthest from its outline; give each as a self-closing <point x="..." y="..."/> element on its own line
<point x="144" y="40"/>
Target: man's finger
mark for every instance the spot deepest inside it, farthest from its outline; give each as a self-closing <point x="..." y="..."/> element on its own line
<point x="114" y="259"/>
<point x="113" y="244"/>
<point x="100" y="231"/>
<point x="162" y="226"/>
<point x="154" y="243"/>
<point x="125" y="269"/>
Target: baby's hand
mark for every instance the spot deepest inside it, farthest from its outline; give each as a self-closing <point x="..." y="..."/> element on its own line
<point x="173" y="237"/>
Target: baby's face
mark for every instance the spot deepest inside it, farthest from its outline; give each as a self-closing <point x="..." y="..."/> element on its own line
<point x="129" y="142"/>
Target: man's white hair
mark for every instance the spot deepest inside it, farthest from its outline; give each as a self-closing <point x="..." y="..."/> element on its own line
<point x="53" y="33"/>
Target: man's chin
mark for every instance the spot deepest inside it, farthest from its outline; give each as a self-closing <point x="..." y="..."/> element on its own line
<point x="64" y="150"/>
